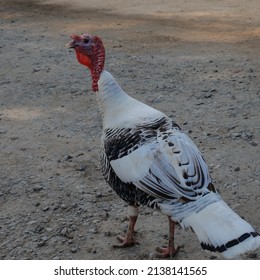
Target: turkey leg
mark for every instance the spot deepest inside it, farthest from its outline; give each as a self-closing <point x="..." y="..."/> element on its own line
<point x="170" y="251"/>
<point x="129" y="239"/>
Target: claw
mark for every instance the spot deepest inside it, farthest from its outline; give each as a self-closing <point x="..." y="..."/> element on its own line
<point x="170" y="251"/>
<point x="167" y="252"/>
<point x="125" y="242"/>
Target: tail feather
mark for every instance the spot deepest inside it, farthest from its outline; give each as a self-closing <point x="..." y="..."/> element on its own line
<point x="220" y="229"/>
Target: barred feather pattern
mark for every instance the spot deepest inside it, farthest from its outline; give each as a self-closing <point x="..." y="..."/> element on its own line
<point x="163" y="181"/>
<point x="119" y="142"/>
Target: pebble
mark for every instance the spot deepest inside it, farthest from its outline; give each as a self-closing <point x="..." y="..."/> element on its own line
<point x="99" y="194"/>
<point x="236" y="135"/>
<point x="82" y="167"/>
<point x="237" y="169"/>
<point x="43" y="241"/>
<point x="64" y="232"/>
<point x="68" y="157"/>
<point x="39" y="228"/>
<point x="208" y="95"/>
<point x="37" y="188"/>
<point x="74" y="250"/>
<point x="253" y="143"/>
<point x="45" y="208"/>
<point x="93" y="230"/>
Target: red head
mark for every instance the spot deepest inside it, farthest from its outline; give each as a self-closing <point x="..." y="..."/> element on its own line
<point x="91" y="53"/>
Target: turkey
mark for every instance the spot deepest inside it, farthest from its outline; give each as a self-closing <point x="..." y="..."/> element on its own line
<point x="148" y="160"/>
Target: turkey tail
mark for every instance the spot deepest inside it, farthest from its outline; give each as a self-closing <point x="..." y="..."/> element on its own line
<point x="220" y="229"/>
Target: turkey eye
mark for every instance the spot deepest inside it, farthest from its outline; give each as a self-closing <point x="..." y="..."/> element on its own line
<point x="86" y="40"/>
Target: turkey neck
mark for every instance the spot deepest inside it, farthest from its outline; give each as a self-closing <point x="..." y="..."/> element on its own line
<point x="110" y="96"/>
<point x="118" y="108"/>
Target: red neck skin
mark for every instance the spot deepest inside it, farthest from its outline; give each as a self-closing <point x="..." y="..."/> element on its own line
<point x="95" y="62"/>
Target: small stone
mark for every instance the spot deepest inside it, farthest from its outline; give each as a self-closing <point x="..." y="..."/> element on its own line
<point x="74" y="250"/>
<point x="236" y="135"/>
<point x="39" y="228"/>
<point x="37" y="188"/>
<point x="66" y="233"/>
<point x="208" y="95"/>
<point x="93" y="230"/>
<point x="237" y="169"/>
<point x="63" y="206"/>
<point x="253" y="143"/>
<point x="32" y="222"/>
<point x="43" y="241"/>
<point x="98" y="194"/>
<point x="45" y="208"/>
<point x="68" y="157"/>
<point x="82" y="167"/>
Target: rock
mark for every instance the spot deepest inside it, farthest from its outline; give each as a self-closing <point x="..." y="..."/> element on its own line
<point x="43" y="241"/>
<point x="253" y="143"/>
<point x="94" y="230"/>
<point x="39" y="228"/>
<point x="37" y="188"/>
<point x="82" y="167"/>
<point x="45" y="208"/>
<point x="236" y="135"/>
<point x="98" y="194"/>
<point x="66" y="233"/>
<point x="237" y="169"/>
<point x="208" y="95"/>
<point x="68" y="157"/>
<point x="74" y="250"/>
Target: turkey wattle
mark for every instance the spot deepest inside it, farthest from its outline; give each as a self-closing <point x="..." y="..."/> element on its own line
<point x="148" y="160"/>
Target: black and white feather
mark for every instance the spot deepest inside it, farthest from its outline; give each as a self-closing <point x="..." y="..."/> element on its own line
<point x="148" y="160"/>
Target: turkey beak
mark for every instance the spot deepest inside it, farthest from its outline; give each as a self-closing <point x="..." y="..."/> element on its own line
<point x="70" y="45"/>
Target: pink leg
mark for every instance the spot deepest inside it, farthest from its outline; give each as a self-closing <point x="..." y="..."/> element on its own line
<point x="129" y="239"/>
<point x="170" y="251"/>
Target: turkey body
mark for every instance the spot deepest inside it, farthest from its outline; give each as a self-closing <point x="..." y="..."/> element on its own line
<point x="138" y="143"/>
<point x="148" y="160"/>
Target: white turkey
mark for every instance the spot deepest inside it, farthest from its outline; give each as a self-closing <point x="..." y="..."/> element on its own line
<point x="148" y="160"/>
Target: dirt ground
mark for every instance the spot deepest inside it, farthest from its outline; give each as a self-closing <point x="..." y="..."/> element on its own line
<point x="197" y="61"/>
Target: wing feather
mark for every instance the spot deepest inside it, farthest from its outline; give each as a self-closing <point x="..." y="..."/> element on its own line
<point x="168" y="167"/>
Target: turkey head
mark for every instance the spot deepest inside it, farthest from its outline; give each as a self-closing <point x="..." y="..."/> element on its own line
<point x="91" y="53"/>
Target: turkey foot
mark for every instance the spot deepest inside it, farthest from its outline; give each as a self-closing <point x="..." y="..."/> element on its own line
<point x="167" y="252"/>
<point x="129" y="239"/>
<point x="170" y="251"/>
